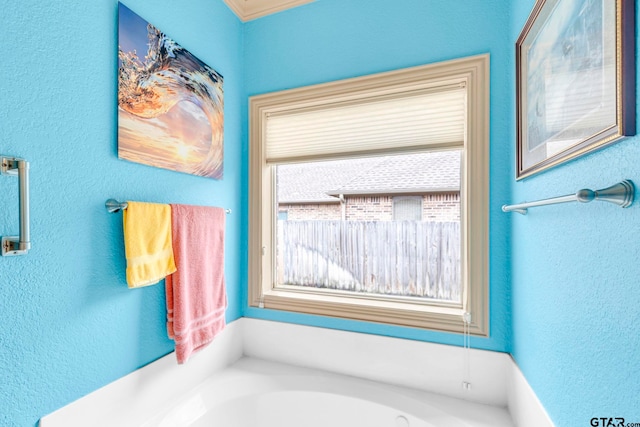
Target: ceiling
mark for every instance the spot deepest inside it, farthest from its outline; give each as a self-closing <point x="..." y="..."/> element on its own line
<point x="253" y="9"/>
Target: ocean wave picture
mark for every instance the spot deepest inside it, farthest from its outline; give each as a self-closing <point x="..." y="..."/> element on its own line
<point x="170" y="104"/>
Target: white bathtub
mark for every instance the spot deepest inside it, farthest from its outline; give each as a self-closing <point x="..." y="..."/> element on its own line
<point x="269" y="374"/>
<point x="257" y="393"/>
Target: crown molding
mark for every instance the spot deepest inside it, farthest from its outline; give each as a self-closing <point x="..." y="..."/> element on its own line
<point x="248" y="10"/>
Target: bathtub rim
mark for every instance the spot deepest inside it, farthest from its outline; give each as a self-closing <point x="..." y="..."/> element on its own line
<point x="246" y="336"/>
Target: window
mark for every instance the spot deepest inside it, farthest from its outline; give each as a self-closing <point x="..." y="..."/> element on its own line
<point x="363" y="240"/>
<point x="422" y="111"/>
<point x="407" y="208"/>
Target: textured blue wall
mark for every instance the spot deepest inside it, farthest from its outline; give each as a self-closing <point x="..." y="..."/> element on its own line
<point x="575" y="286"/>
<point x="336" y="39"/>
<point x="70" y="325"/>
<point x="565" y="277"/>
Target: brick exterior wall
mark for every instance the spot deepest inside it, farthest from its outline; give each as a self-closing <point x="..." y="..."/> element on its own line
<point x="369" y="208"/>
<point x="441" y="207"/>
<point x="320" y="211"/>
<point x="435" y="207"/>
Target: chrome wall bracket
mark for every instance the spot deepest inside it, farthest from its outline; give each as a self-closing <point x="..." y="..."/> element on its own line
<point x="114" y="206"/>
<point x="18" y="245"/>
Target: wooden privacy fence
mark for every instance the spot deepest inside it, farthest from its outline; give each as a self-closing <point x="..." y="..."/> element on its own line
<point x="407" y="258"/>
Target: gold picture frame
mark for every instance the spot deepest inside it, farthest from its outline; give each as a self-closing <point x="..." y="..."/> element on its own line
<point x="575" y="80"/>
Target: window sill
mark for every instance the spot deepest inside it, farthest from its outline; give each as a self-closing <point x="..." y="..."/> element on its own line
<point x="445" y="317"/>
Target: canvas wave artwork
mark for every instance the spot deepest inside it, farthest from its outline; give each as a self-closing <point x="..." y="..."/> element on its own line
<point x="170" y="104"/>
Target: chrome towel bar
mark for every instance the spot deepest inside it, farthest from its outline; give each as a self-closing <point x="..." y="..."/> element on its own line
<point x="114" y="206"/>
<point x="620" y="194"/>
<point x="18" y="245"/>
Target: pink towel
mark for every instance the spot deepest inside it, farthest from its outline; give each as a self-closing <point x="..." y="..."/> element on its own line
<point x="196" y="296"/>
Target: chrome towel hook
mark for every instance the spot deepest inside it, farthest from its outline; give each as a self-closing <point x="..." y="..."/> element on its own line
<point x="18" y="245"/>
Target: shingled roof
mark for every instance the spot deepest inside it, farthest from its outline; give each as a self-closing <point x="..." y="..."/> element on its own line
<point x="309" y="182"/>
<point x="323" y="182"/>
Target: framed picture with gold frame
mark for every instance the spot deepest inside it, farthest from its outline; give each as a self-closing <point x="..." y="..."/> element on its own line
<point x="575" y="80"/>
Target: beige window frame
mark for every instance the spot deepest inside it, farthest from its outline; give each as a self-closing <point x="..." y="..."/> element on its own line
<point x="471" y="73"/>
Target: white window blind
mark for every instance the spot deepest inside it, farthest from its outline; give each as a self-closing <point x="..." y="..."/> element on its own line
<point x="408" y="120"/>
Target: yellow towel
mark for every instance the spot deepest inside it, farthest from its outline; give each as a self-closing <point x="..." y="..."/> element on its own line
<point x="147" y="243"/>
